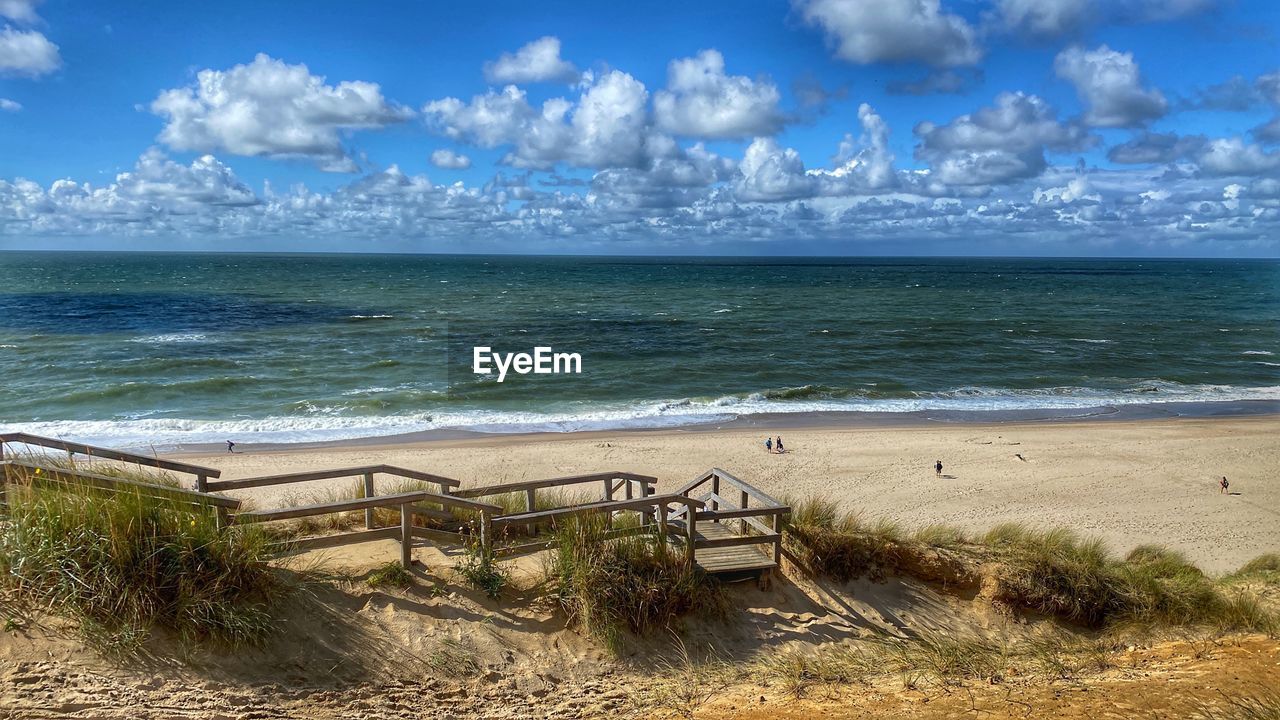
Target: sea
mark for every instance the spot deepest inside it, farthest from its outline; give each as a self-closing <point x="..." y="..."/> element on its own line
<point x="174" y="349"/>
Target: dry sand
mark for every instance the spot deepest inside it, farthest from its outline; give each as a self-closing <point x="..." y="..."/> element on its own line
<point x="1129" y="482"/>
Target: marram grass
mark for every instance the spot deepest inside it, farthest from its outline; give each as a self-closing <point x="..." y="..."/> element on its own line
<point x="1053" y="571"/>
<point x="123" y="564"/>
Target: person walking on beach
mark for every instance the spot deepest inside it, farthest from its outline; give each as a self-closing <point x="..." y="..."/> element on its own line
<point x="1224" y="484"/>
<point x="937" y="467"/>
<point x="778" y="444"/>
<point x="231" y="447"/>
<point x="768" y="444"/>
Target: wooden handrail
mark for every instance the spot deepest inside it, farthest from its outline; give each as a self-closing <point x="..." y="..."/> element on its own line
<point x="694" y="483"/>
<point x="104" y="453"/>
<point x="286" y="478"/>
<point x="749" y="489"/>
<point x="106" y="482"/>
<point x="553" y="482"/>
<point x="409" y="498"/>
<point x="606" y="506"/>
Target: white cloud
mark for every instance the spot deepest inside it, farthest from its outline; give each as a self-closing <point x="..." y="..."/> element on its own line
<point x="1149" y="147"/>
<point x="771" y="173"/>
<point x="20" y="11"/>
<point x="271" y="109"/>
<point x="450" y="160"/>
<point x="607" y="127"/>
<point x="871" y="31"/>
<point x="8" y="105"/>
<point x="1232" y="156"/>
<point x="27" y="53"/>
<point x="701" y="101"/>
<point x="539" y="61"/>
<point x="1044" y="18"/>
<point x="997" y="144"/>
<point x="866" y="163"/>
<point x="676" y="203"/>
<point x="1110" y="84"/>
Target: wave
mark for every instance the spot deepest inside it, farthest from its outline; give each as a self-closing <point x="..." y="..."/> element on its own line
<point x="166" y="338"/>
<point x="323" y="423"/>
<point x="1257" y="352"/>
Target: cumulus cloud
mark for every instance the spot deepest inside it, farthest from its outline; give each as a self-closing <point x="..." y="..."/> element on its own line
<point x="450" y="160"/>
<point x="607" y="127"/>
<point x="871" y="31"/>
<point x="20" y="11"/>
<point x="1047" y="19"/>
<point x="702" y="101"/>
<point x="1232" y="156"/>
<point x="1268" y="86"/>
<point x="27" y="53"/>
<point x="8" y="105"/>
<point x="539" y="61"/>
<point x="269" y="108"/>
<point x="676" y="203"/>
<point x="997" y="144"/>
<point x="1044" y="18"/>
<point x="1149" y="147"/>
<point x="1110" y="84"/>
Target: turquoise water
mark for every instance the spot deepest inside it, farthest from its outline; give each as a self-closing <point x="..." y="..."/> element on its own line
<point x="132" y="348"/>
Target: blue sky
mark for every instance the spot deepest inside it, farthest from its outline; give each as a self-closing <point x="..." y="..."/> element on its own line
<point x="1013" y="127"/>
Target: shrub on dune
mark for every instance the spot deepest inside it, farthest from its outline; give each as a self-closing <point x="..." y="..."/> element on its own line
<point x="123" y="563"/>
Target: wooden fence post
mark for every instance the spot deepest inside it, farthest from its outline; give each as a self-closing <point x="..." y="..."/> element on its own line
<point x="406" y="535"/>
<point x="777" y="542"/>
<point x="742" y="524"/>
<point x="715" y="490"/>
<point x="530" y="502"/>
<point x="368" y="492"/>
<point x="690" y="532"/>
<point x="662" y="522"/>
<point x="608" y="497"/>
<point x="202" y="483"/>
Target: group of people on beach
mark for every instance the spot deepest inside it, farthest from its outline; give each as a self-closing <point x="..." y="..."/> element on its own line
<point x="774" y="445"/>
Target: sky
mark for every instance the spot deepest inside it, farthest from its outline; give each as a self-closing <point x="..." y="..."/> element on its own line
<point x="809" y="127"/>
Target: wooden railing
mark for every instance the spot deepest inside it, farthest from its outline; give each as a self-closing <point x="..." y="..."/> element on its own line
<point x="758" y="516"/>
<point x="18" y="471"/>
<point x="408" y="503"/>
<point x="764" y="516"/>
<point x="201" y="473"/>
<point x="630" y="484"/>
<point x="367" y="472"/>
<point x="657" y="507"/>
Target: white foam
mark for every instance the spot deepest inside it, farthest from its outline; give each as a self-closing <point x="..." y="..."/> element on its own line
<point x="1246" y="352"/>
<point x="171" y="338"/>
<point x="328" y="423"/>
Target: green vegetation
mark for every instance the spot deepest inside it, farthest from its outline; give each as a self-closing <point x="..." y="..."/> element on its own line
<point x="630" y="583"/>
<point x="481" y="569"/>
<point x="123" y="563"/>
<point x="390" y="574"/>
<point x="1052" y="571"/>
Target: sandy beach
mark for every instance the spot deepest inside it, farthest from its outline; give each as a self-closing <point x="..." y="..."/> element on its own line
<point x="1128" y="482"/>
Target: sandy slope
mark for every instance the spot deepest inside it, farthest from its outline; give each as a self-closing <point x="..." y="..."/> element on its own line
<point x="1128" y="482"/>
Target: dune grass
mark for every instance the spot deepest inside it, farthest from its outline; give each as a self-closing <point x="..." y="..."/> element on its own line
<point x="626" y="584"/>
<point x="123" y="563"/>
<point x="1054" y="571"/>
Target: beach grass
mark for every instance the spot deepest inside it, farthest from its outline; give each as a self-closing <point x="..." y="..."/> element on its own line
<point x="123" y="563"/>
<point x="1052" y="571"/>
<point x="630" y="584"/>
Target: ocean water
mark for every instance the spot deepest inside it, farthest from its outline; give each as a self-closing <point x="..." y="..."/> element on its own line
<point x="177" y="348"/>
